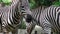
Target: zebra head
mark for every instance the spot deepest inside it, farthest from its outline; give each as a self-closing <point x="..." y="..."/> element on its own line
<point x="27" y="14"/>
<point x="25" y="10"/>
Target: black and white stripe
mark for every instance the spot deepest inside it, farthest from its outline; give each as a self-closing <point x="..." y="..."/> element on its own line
<point x="11" y="16"/>
<point x="48" y="18"/>
<point x="35" y="14"/>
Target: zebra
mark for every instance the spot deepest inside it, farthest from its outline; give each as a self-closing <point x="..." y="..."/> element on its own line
<point x="48" y="19"/>
<point x="12" y="15"/>
<point x="34" y="11"/>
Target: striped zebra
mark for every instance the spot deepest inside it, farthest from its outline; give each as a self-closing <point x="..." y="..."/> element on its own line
<point x="35" y="12"/>
<point x="11" y="16"/>
<point x="48" y="19"/>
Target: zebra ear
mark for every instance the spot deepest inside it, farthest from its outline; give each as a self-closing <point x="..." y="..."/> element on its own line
<point x="29" y="18"/>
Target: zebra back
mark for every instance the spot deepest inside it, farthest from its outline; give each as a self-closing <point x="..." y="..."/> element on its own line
<point x="49" y="18"/>
<point x="36" y="13"/>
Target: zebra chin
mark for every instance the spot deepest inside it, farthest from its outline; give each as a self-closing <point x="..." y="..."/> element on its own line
<point x="28" y="18"/>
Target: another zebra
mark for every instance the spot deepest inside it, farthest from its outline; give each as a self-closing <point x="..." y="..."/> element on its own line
<point x="35" y="12"/>
<point x="11" y="15"/>
<point x="48" y="19"/>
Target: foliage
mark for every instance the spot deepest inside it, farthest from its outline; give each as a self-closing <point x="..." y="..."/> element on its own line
<point x="32" y="3"/>
<point x="43" y="2"/>
<point x="6" y="2"/>
<point x="0" y="0"/>
<point x="56" y="3"/>
<point x="22" y="25"/>
<point x="37" y="3"/>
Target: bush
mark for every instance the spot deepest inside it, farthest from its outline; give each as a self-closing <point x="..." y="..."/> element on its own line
<point x="23" y="25"/>
<point x="57" y="3"/>
<point x="0" y="1"/>
<point x="37" y="3"/>
<point x="6" y="1"/>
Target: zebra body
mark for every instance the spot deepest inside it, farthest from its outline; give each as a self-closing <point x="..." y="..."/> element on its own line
<point x="48" y="18"/>
<point x="34" y="14"/>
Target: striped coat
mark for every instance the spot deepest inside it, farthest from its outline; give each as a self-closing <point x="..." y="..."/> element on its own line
<point x="10" y="16"/>
<point x="48" y="18"/>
